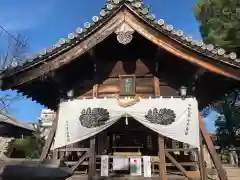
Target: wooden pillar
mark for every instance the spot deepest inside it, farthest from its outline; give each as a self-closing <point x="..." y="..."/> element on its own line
<point x="55" y="154"/>
<point x="202" y="162"/>
<point x="92" y="159"/>
<point x="156" y="86"/>
<point x="162" y="164"/>
<point x="50" y="138"/>
<point x="212" y="151"/>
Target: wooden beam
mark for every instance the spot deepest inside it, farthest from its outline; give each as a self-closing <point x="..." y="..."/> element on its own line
<point x="212" y="151"/>
<point x="84" y="156"/>
<point x="156" y="86"/>
<point x="58" y="60"/>
<point x="180" y="51"/>
<point x="199" y="73"/>
<point x="162" y="163"/>
<point x="92" y="159"/>
<point x="50" y="138"/>
<point x="178" y="165"/>
<point x="202" y="162"/>
<point x="95" y="90"/>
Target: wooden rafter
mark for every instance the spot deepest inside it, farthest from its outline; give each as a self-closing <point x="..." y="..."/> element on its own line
<point x="176" y="49"/>
<point x="75" y="52"/>
<point x="139" y="26"/>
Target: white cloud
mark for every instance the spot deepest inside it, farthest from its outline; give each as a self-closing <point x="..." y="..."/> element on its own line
<point x="25" y="14"/>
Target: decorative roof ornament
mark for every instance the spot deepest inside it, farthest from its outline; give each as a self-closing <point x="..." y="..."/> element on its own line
<point x="180" y="33"/>
<point x="221" y="51"/>
<point x="79" y="30"/>
<point x="214" y="51"/>
<point x="210" y="47"/>
<point x="189" y="39"/>
<point x="62" y="41"/>
<point x="204" y="46"/>
<point x="109" y="7"/>
<point x="95" y="19"/>
<point x="233" y="55"/>
<point x="144" y="11"/>
<point x="116" y="1"/>
<point x="103" y="12"/>
<point x="136" y="4"/>
<point x="194" y="43"/>
<point x="124" y="33"/>
<point x="237" y="60"/>
<point x="174" y="32"/>
<point x="71" y="36"/>
<point x="199" y="43"/>
<point x="141" y="10"/>
<point x="169" y="27"/>
<point x="161" y="22"/>
<point x="152" y="17"/>
<point x="87" y="25"/>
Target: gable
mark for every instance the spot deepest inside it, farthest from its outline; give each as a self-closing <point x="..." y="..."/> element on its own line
<point x="136" y="15"/>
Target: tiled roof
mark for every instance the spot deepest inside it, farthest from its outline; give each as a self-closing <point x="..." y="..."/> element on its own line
<point x="10" y="120"/>
<point x="142" y="10"/>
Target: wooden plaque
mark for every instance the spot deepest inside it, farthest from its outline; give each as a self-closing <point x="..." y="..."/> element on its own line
<point x="127" y="85"/>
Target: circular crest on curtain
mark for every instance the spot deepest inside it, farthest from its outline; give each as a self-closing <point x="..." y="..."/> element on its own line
<point x="163" y="116"/>
<point x="95" y="117"/>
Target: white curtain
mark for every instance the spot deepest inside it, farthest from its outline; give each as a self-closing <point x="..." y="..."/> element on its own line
<point x="175" y="118"/>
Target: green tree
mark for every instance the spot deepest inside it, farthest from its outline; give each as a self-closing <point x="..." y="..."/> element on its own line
<point x="227" y="122"/>
<point x="28" y="147"/>
<point x="220" y="23"/>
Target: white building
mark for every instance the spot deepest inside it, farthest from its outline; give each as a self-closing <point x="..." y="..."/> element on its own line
<point x="45" y="120"/>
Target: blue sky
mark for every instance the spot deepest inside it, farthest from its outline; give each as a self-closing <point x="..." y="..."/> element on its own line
<point x="45" y="22"/>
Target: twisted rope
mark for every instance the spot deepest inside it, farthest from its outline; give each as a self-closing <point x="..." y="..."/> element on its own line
<point x="131" y="102"/>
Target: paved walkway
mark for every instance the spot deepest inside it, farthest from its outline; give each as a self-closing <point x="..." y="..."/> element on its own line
<point x="233" y="172"/>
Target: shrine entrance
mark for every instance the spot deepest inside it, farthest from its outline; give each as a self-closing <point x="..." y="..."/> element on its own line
<point x="129" y="136"/>
<point x="126" y="143"/>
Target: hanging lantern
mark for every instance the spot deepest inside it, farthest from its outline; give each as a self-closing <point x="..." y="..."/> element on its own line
<point x="70" y="93"/>
<point x="183" y="91"/>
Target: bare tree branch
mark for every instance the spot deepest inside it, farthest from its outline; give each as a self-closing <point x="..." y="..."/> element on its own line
<point x="12" y="54"/>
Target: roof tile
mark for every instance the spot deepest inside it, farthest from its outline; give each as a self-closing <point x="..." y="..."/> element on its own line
<point x="143" y="11"/>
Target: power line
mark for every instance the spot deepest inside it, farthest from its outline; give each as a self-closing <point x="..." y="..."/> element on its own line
<point x="12" y="36"/>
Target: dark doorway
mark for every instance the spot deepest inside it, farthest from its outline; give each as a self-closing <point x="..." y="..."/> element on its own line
<point x="131" y="136"/>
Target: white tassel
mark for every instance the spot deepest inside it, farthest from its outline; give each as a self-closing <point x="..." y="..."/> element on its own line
<point x="126" y="120"/>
